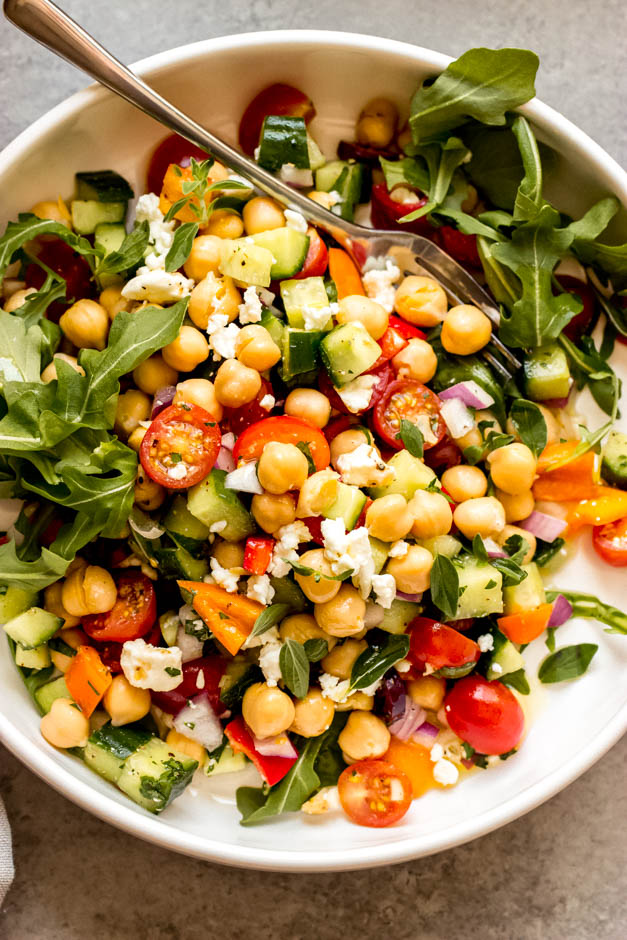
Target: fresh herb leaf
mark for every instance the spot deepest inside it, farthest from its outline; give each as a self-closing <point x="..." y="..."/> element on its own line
<point x="445" y="585"/>
<point x="591" y="368"/>
<point x="516" y="680"/>
<point x="330" y="763"/>
<point x="294" y="667"/>
<point x="530" y="425"/>
<point x="407" y="172"/>
<point x="171" y="671"/>
<point x="569" y="662"/>
<point x="511" y="571"/>
<point x="269" y="617"/>
<point x="479" y="550"/>
<point x="129" y="254"/>
<point x="550" y="639"/>
<point x="318" y="576"/>
<point x="587" y="605"/>
<point x="316" y="649"/>
<point x="412" y="438"/>
<point x="30" y="226"/>
<point x="547" y="550"/>
<point x="454" y="672"/>
<point x="375" y="661"/>
<point x="303" y="446"/>
<point x="516" y="547"/>
<point x="181" y="246"/>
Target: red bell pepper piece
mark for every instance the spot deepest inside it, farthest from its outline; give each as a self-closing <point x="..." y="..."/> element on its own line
<point x="386" y="212"/>
<point x="407" y="330"/>
<point x="272" y="769"/>
<point x="257" y="554"/>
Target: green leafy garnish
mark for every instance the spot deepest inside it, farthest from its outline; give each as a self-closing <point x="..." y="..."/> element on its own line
<point x="445" y="586"/>
<point x="181" y="246"/>
<point x="294" y="666"/>
<point x="516" y="680"/>
<point x="316" y="649"/>
<point x="569" y="662"/>
<point x="587" y="605"/>
<point x="412" y="438"/>
<point x="129" y="254"/>
<point x="530" y="425"/>
<point x="375" y="661"/>
<point x="269" y="617"/>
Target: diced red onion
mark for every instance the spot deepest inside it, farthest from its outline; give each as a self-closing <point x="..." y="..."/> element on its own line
<point x="562" y="611"/>
<point x="225" y="460"/>
<point x="163" y="397"/>
<point x="556" y="402"/>
<point x="470" y="393"/>
<point x="265" y="296"/>
<point x="457" y="417"/>
<point x="426" y="734"/>
<point x="409" y="722"/>
<point x="294" y="176"/>
<point x="543" y="526"/>
<point x="468" y="764"/>
<point x="199" y="722"/>
<point x="244" y="479"/>
<point x="279" y="746"/>
<point x="414" y="598"/>
<point x="228" y="440"/>
<point x="493" y="549"/>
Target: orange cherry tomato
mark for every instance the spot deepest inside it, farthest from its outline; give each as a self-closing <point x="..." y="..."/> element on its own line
<point x="374" y="793"/>
<point x="526" y="625"/>
<point x="285" y="430"/>
<point x="182" y="435"/>
<point x="172" y="149"/>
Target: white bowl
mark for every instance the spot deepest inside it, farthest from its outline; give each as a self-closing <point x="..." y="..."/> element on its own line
<point x="575" y="723"/>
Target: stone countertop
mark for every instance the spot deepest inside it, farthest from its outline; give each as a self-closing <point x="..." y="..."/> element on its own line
<point x="557" y="872"/>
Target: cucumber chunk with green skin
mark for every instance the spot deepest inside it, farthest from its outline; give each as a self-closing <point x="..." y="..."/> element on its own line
<point x="348" y="505"/>
<point x="14" y="601"/>
<point x="397" y="618"/>
<point x="300" y="352"/>
<point x="480" y="589"/>
<point x="527" y="595"/>
<point x="87" y="215"/>
<point x="380" y="551"/>
<point x="108" y="748"/>
<point x="246" y="261"/>
<point x="227" y="763"/>
<point x="109" y="236"/>
<point x="180" y="521"/>
<point x="283" y="140"/>
<point x="347" y="179"/>
<point x="547" y="374"/>
<point x="348" y="351"/>
<point x="102" y="186"/>
<point x="46" y="694"/>
<point x="442" y="545"/>
<point x="288" y="248"/>
<point x="176" y="562"/>
<point x="298" y="294"/>
<point x="34" y="627"/>
<point x="36" y="658"/>
<point x="275" y="327"/>
<point x="210" y="502"/>
<point x="505" y="658"/>
<point x="614" y="459"/>
<point x="410" y="474"/>
<point x="155" y="774"/>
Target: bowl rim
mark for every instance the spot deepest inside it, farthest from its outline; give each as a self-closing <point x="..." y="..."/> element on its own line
<point x="132" y="819"/>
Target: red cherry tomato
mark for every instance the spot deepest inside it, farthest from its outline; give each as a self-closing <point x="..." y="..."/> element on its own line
<point x="339" y="424"/>
<point x="276" y="99"/>
<point x="436" y="645"/>
<point x="73" y="268"/>
<point x="181" y="435"/>
<point x="374" y="793"/>
<point x="317" y="259"/>
<point x="110" y="652"/>
<point x="445" y="454"/>
<point x="199" y="675"/>
<point x="286" y="430"/>
<point x="314" y="524"/>
<point x="610" y="542"/>
<point x="406" y="330"/>
<point x="459" y="246"/>
<point x="579" y="324"/>
<point x="172" y="149"/>
<point x="384" y="375"/>
<point x="406" y="398"/>
<point x="132" y="615"/>
<point x="386" y="212"/>
<point x="238" y="419"/>
<point x="485" y="714"/>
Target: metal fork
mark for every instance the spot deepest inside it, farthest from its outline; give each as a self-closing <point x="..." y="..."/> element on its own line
<point x="53" y="28"/>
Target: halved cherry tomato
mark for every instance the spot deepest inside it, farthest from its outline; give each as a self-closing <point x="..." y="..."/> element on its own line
<point x="258" y="554"/>
<point x="485" y="714"/>
<point x="413" y="759"/>
<point x="386" y="212"/>
<point x="443" y="455"/>
<point x="314" y="524"/>
<point x="132" y="615"/>
<point x="110" y="651"/>
<point x="172" y="149"/>
<point x="339" y="424"/>
<point x="344" y="273"/>
<point x="182" y="435"/>
<point x="391" y="343"/>
<point x="579" y="324"/>
<point x="384" y="374"/>
<point x="438" y="646"/>
<point x="199" y="675"/>
<point x="374" y="793"/>
<point x="286" y="430"/>
<point x="406" y="398"/>
<point x="275" y="99"/>
<point x="317" y="258"/>
<point x="610" y="542"/>
<point x="608" y="505"/>
<point x="459" y="246"/>
<point x="73" y="268"/>
<point x="238" y="419"/>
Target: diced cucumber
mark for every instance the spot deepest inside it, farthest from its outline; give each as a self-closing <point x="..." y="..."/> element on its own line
<point x="176" y="562"/>
<point x="480" y="589"/>
<point x="410" y="474"/>
<point x="87" y="215"/>
<point x="14" y="601"/>
<point x="397" y="617"/>
<point x="275" y="327"/>
<point x="300" y="352"/>
<point x="34" y="627"/>
<point x="48" y="693"/>
<point x="348" y="505"/>
<point x="288" y="249"/>
<point x="155" y="774"/>
<point x="179" y="521"/>
<point x="527" y="595"/>
<point x="288" y="592"/>
<point x="316" y="156"/>
<point x="380" y="551"/>
<point x="211" y="502"/>
<point x="506" y="658"/>
<point x="283" y="140"/>
<point x="614" y="459"/>
<point x="108" y="748"/>
<point x="442" y="545"/>
<point x="246" y="261"/>
<point x="169" y="626"/>
<point x="102" y="186"/>
<point x="36" y="658"/>
<point x="109" y="236"/>
<point x="547" y="374"/>
<point x="348" y="351"/>
<point x="227" y="763"/>
<point x="298" y="294"/>
<point x="346" y="178"/>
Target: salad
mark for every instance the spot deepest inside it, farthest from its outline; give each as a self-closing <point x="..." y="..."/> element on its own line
<point x="262" y="506"/>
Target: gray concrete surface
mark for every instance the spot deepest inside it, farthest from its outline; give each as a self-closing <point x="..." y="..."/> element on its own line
<point x="557" y="873"/>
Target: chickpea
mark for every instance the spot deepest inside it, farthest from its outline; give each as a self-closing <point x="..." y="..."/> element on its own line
<point x="74" y="639"/>
<point x="364" y="736"/>
<point x="465" y="330"/>
<point x="204" y="257"/>
<point x="184" y="745"/>
<point x="428" y="692"/>
<point x="417" y="361"/>
<point x="53" y="211"/>
<point x="187" y="351"/>
<point x="512" y="468"/>
<point x="389" y="518"/>
<point x="267" y="710"/>
<point x="148" y="494"/>
<point x="262" y="214"/>
<point x="126" y="703"/>
<point x="88" y="590"/>
<point x="323" y="199"/>
<point x="213" y="295"/>
<point x="53" y="603"/>
<point x="282" y="467"/>
<point x="483" y="516"/>
<point x="344" y="614"/>
<point x="310" y="404"/>
<point x="228" y="554"/>
<point x="346" y="442"/>
<point x="359" y="309"/>
<point x="236" y="384"/>
<point x="18" y="299"/>
<point x="272" y="512"/>
<point x="199" y="392"/>
<point x="133" y="406"/>
<point x="516" y="507"/>
<point x="318" y="592"/>
<point x="86" y="324"/>
<point x="303" y="627"/>
<point x="313" y="714"/>
<point x="420" y="300"/>
<point x="65" y="725"/>
<point x="256" y="349"/>
<point x="340" y="661"/>
<point x="136" y="437"/>
<point x="153" y="373"/>
<point x="413" y="571"/>
<point x="377" y="123"/>
<point x="464" y="482"/>
<point x="225" y="223"/>
<point x="357" y="702"/>
<point x="50" y="372"/>
<point x="112" y="300"/>
<point x="528" y="537"/>
<point x="317" y="494"/>
<point x="431" y="513"/>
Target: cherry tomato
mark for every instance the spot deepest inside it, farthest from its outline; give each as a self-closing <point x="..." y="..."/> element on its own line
<point x="485" y="714"/>
<point x="406" y="330"/>
<point x="317" y="259"/>
<point x="374" y="793"/>
<point x="132" y="615"/>
<point x="172" y="149"/>
<point x="339" y="424"/>
<point x="314" y="524"/>
<point x="386" y="212"/>
<point x="238" y="419"/>
<point x="110" y="652"/>
<point x="181" y="435"/>
<point x="199" y="675"/>
<point x="445" y="454"/>
<point x="610" y="542"/>
<point x="459" y="246"/>
<point x="436" y="645"/>
<point x="276" y="99"/>
<point x="286" y="430"/>
<point x="406" y="398"/>
<point x="73" y="268"/>
<point x="384" y="375"/>
<point x="579" y="324"/>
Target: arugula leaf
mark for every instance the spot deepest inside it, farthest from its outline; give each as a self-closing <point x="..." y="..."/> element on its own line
<point x="33" y="309"/>
<point x="181" y="246"/>
<point x="294" y="666"/>
<point x="29" y="226"/>
<point x="129" y="254"/>
<point x="530" y="425"/>
<point x="315" y="649"/>
<point x="445" y="585"/>
<point x="569" y="662"/>
<point x="20" y="356"/>
<point x="468" y="224"/>
<point x="412" y="438"/>
<point x="34" y="575"/>
<point x="330" y="763"/>
<point x="496" y="165"/>
<point x="587" y="605"/>
<point x="406" y="172"/>
<point x="594" y="221"/>
<point x="442" y="160"/>
<point x="529" y="195"/>
<point x="269" y="617"/>
<point x="375" y="661"/>
<point x="516" y="680"/>
<point x="592" y="369"/>
<point x="481" y="84"/>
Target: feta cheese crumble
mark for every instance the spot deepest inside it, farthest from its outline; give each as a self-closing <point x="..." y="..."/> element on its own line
<point x="250" y="310"/>
<point x="384" y="586"/>
<point x="334" y="688"/>
<point x="216" y="321"/>
<point x="157" y="286"/>
<point x="364" y="467"/>
<point x="296" y="221"/>
<point x="218" y="527"/>
<point x="161" y="232"/>
<point x="445" y="772"/>
<point x="485" y="642"/>
<point x="380" y="284"/>
<point x="398" y="549"/>
<point x="267" y="402"/>
<point x="349" y="551"/>
<point x="178" y="471"/>
<point x="151" y="667"/>
<point x="259" y="588"/>
<point x="269" y="661"/>
<point x="225" y="577"/>
<point x="288" y="538"/>
<point x="357" y="394"/>
<point x="223" y="341"/>
<point x="316" y="318"/>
